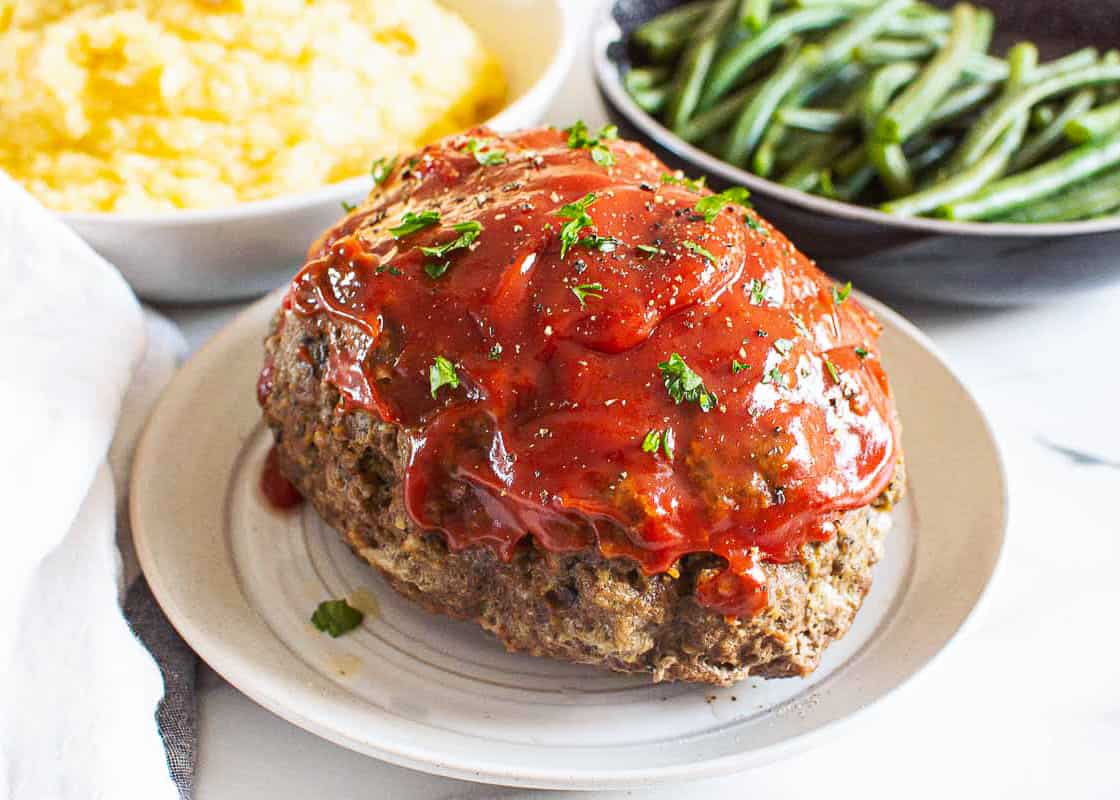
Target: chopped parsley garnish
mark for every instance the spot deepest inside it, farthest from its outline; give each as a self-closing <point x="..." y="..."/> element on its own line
<point x="468" y="233"/>
<point x="604" y="244"/>
<point x="710" y="206"/>
<point x="348" y="207"/>
<point x="665" y="441"/>
<point x="799" y="324"/>
<point x="694" y="184"/>
<point x="388" y="268"/>
<point x="774" y="376"/>
<point x="442" y="373"/>
<point x="738" y="366"/>
<point x="413" y="223"/>
<point x="578" y="219"/>
<point x="436" y="269"/>
<point x="580" y="138"/>
<point x="336" y="617"/>
<point x="840" y="293"/>
<point x="651" y="250"/>
<point x="495" y="353"/>
<point x="700" y="251"/>
<point x="381" y="169"/>
<point x="754" y="224"/>
<point x="832" y="370"/>
<point x="685" y="385"/>
<point x="758" y="292"/>
<point x="862" y="353"/>
<point x="586" y="290"/>
<point x="783" y="346"/>
<point x="489" y="158"/>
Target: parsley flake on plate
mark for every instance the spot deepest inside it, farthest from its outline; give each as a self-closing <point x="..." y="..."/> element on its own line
<point x="758" y="292"/>
<point x="414" y="223"/>
<point x="832" y="370"/>
<point x="651" y="250"/>
<point x="862" y="353"/>
<point x="578" y="219"/>
<point x="336" y="617"/>
<point x="840" y="293"/>
<point x="738" y="366"/>
<point x="710" y="206"/>
<point x="442" y="373"/>
<point x="685" y="385"/>
<point x="604" y="244"/>
<point x="586" y="290"/>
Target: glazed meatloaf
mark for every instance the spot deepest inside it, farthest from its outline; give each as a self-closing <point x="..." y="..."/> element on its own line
<point x="541" y="383"/>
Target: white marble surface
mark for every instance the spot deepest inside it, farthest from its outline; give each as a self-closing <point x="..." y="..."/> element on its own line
<point x="1027" y="709"/>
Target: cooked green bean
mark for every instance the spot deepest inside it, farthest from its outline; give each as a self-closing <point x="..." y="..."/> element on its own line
<point x="651" y="100"/>
<point x="984" y="25"/>
<point x="820" y="120"/>
<point x="708" y="122"/>
<point x="1038" y="145"/>
<point x="1042" y="115"/>
<point x="645" y="77"/>
<point x="881" y="89"/>
<point x="887" y="100"/>
<point x="888" y="51"/>
<point x="996" y="119"/>
<point x="838" y="45"/>
<point x="666" y="34"/>
<point x="1022" y="60"/>
<point x="914" y="25"/>
<point x="1092" y="198"/>
<point x="910" y="109"/>
<point x="932" y="153"/>
<point x="1078" y="59"/>
<point x="1094" y="124"/>
<point x="754" y="13"/>
<point x="807" y="174"/>
<point x="751" y="124"/>
<point x="731" y="65"/>
<point x="958" y="103"/>
<point x="766" y="155"/>
<point x="1046" y="179"/>
<point x="696" y="62"/>
<point x="890" y="162"/>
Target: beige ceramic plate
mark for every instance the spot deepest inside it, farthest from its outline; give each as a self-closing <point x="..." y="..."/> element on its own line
<point x="239" y="581"/>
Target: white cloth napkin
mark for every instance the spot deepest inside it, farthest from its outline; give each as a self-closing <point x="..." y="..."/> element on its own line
<point x="77" y="691"/>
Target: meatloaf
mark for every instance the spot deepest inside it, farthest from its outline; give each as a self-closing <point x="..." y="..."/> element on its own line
<point x="542" y="383"/>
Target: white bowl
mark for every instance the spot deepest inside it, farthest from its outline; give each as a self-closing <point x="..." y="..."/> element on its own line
<point x="247" y="249"/>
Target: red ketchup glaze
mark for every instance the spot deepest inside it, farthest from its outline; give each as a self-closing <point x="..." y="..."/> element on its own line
<point x="543" y="434"/>
<point x="277" y="489"/>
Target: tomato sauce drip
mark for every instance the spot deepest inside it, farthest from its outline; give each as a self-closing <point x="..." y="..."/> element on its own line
<point x="543" y="435"/>
<point x="277" y="489"/>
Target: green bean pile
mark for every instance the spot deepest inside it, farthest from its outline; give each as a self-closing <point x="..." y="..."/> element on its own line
<point x="887" y="103"/>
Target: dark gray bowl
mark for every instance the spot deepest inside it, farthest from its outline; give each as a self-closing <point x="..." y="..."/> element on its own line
<point x="956" y="262"/>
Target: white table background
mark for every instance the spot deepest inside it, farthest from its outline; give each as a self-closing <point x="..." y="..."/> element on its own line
<point x="1032" y="710"/>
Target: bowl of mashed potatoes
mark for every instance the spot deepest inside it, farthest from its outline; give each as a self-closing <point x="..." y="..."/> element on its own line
<point x="201" y="145"/>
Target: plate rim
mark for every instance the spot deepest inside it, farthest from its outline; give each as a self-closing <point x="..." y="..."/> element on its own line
<point x="224" y="659"/>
